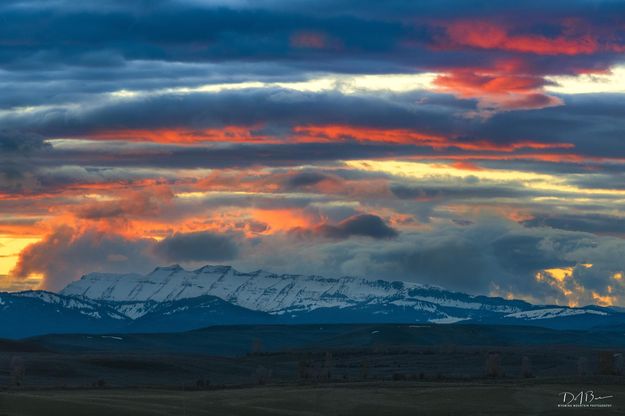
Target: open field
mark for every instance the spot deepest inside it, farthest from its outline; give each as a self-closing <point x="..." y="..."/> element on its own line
<point x="312" y="370"/>
<point x="375" y="399"/>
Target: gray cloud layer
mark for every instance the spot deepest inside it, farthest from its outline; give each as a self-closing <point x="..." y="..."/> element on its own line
<point x="491" y="256"/>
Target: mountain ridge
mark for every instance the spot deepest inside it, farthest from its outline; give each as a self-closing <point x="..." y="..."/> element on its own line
<point x="171" y="298"/>
<point x="306" y="298"/>
<point x="238" y="287"/>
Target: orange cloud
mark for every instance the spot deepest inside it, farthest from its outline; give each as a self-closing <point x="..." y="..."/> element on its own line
<point x="330" y="133"/>
<point x="464" y="165"/>
<point x="497" y="89"/>
<point x="515" y="83"/>
<point x="186" y="136"/>
<point x="490" y="35"/>
<point x="22" y="230"/>
<point x="402" y="136"/>
<point x="541" y="157"/>
<point x="337" y="132"/>
<point x="282" y="219"/>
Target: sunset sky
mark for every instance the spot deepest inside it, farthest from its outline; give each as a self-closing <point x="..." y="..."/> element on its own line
<point x="474" y="145"/>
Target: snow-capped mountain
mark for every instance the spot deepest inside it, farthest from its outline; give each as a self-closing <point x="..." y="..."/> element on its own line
<point x="171" y="299"/>
<point x="274" y="293"/>
<point x="300" y="298"/>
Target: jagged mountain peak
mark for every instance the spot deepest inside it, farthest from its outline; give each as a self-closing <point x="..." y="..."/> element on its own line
<point x="171" y="268"/>
<point x="213" y="269"/>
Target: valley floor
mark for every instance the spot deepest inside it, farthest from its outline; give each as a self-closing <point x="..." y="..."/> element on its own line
<point x="314" y="370"/>
<point x="388" y="398"/>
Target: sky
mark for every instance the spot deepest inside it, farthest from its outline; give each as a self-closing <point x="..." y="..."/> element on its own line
<point x="478" y="146"/>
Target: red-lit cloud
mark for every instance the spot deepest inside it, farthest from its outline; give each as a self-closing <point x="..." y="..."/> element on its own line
<point x="403" y="136"/>
<point x="483" y="34"/>
<point x="512" y="76"/>
<point x="498" y="88"/>
<point x="235" y="134"/>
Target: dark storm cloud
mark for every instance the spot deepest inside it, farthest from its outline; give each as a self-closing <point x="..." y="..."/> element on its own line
<point x="66" y="51"/>
<point x="361" y="225"/>
<point x="476" y="258"/>
<point x="305" y="179"/>
<point x="601" y="116"/>
<point x="60" y="168"/>
<point x="210" y="31"/>
<point x="197" y="246"/>
<point x="66" y="254"/>
<point x="272" y="106"/>
<point x="231" y="156"/>
<point x="17" y="148"/>
<point x="488" y="256"/>
<point x="522" y="254"/>
<point x="277" y="110"/>
<point x="613" y="178"/>
<point x="402" y="9"/>
<point x="16" y="142"/>
<point x="45" y="85"/>
<point x="180" y="32"/>
<point x="591" y="223"/>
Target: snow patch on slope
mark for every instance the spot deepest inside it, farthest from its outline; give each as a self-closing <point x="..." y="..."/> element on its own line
<point x="549" y="313"/>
